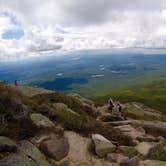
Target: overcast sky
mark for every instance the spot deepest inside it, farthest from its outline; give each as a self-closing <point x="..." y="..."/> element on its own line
<point x="43" y="27"/>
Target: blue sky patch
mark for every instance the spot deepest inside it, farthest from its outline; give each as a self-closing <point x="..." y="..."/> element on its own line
<point x="13" y="34"/>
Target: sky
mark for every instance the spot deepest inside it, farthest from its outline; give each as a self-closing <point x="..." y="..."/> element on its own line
<point x="50" y="27"/>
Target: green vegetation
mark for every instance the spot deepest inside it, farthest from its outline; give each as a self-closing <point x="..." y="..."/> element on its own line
<point x="17" y="108"/>
<point x="152" y="95"/>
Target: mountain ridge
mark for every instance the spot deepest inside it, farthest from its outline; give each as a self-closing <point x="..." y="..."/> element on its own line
<point x="42" y="127"/>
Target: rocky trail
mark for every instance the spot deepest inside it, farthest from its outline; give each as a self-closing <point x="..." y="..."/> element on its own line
<point x="68" y="130"/>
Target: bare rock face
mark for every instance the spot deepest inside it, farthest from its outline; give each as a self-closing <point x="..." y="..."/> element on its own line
<point x="7" y="145"/>
<point x="56" y="147"/>
<point x="102" y="145"/>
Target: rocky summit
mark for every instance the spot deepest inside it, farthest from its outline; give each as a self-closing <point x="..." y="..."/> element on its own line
<point x="40" y="127"/>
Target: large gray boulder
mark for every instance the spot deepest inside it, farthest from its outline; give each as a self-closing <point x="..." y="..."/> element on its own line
<point x="7" y="145"/>
<point x="55" y="147"/>
<point x="32" y="152"/>
<point x="17" y="160"/>
<point x="27" y="155"/>
<point x="41" y="121"/>
<point x="102" y="145"/>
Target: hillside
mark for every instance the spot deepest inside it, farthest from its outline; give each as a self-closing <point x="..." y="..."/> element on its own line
<point x="48" y="128"/>
<point x="152" y="94"/>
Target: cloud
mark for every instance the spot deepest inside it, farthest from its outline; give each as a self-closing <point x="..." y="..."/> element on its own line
<point x="54" y="26"/>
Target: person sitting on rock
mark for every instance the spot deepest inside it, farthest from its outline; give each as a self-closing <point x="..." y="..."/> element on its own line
<point x="111" y="105"/>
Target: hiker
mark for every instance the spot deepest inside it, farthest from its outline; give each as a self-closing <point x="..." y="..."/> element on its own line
<point x="111" y="105"/>
<point x="119" y="107"/>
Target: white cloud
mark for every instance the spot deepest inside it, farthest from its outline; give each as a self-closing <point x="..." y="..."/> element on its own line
<point x="54" y="26"/>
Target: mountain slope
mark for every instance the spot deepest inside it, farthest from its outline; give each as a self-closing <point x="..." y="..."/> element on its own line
<point x="40" y="127"/>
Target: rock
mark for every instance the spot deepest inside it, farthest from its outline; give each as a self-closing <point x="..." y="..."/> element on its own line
<point x="158" y="152"/>
<point x="147" y="138"/>
<point x="32" y="152"/>
<point x="17" y="160"/>
<point x="60" y="106"/>
<point x="133" y="161"/>
<point x="144" y="148"/>
<point x="117" y="158"/>
<point x="41" y="121"/>
<point x="90" y="110"/>
<point x="102" y="145"/>
<point x="56" y="147"/>
<point x="160" y="138"/>
<point x="127" y="151"/>
<point x="152" y="163"/>
<point x="153" y="128"/>
<point x="59" y="130"/>
<point x="31" y="91"/>
<point x="80" y="153"/>
<point x="120" y="123"/>
<point x="131" y="131"/>
<point x="110" y="118"/>
<point x="63" y="162"/>
<point x="81" y="99"/>
<point x="7" y="145"/>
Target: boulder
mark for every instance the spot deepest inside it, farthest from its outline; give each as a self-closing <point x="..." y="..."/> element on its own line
<point x="7" y="145"/>
<point x="117" y="158"/>
<point x="158" y="152"/>
<point x="110" y="118"/>
<point x="60" y="106"/>
<point x="33" y="153"/>
<point x="153" y="128"/>
<point x="63" y="162"/>
<point x="17" y="160"/>
<point x="134" y="161"/>
<point x="56" y="147"/>
<point x="160" y="138"/>
<point x="152" y="163"/>
<point x="131" y="131"/>
<point x="90" y="110"/>
<point x="41" y="121"/>
<point x="80" y="151"/>
<point x="144" y="148"/>
<point x="81" y="99"/>
<point x="146" y="138"/>
<point x="129" y="151"/>
<point x="102" y="145"/>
